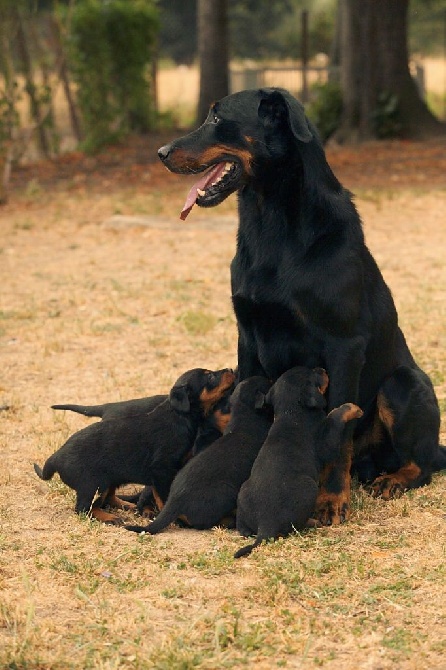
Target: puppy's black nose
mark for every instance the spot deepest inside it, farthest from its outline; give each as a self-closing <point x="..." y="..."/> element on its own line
<point x="164" y="151"/>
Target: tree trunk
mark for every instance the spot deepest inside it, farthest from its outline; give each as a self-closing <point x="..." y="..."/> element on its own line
<point x="380" y="97"/>
<point x="31" y="88"/>
<point x="213" y="53"/>
<point x="56" y="39"/>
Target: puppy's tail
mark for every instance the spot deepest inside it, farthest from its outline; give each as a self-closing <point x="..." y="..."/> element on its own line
<point x="245" y="551"/>
<point x="48" y="469"/>
<point x="86" y="410"/>
<point x="164" y="518"/>
<point x="439" y="462"/>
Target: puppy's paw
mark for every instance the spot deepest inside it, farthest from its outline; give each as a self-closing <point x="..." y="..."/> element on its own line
<point x="105" y="517"/>
<point x="332" y="509"/>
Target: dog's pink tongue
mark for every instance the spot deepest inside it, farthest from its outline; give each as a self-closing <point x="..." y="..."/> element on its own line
<point x="201" y="184"/>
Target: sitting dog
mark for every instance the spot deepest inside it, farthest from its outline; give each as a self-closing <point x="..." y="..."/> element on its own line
<point x="141" y="449"/>
<point x="280" y="495"/>
<point x="204" y="492"/>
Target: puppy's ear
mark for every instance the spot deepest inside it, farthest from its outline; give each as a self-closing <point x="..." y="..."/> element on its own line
<point x="321" y="379"/>
<point x="179" y="399"/>
<point x="277" y="104"/>
<point x="316" y="386"/>
<point x="260" y="400"/>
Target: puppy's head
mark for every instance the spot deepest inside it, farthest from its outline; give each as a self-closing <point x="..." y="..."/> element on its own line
<point x="299" y="386"/>
<point x="200" y="390"/>
<point x="250" y="393"/>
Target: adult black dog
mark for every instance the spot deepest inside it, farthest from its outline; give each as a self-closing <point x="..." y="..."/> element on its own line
<point x="307" y="291"/>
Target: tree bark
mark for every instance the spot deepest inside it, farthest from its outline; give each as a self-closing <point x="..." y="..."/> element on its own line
<point x="31" y="88"/>
<point x="375" y="69"/>
<point x="213" y="53"/>
<point x="55" y="32"/>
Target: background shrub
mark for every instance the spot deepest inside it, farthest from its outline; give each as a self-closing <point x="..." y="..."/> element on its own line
<point x="111" y="47"/>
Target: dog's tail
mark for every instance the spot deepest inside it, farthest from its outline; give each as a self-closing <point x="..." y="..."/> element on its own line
<point x="439" y="462"/>
<point x="245" y="551"/>
<point x="165" y="517"/>
<point x="47" y="471"/>
<point x="86" y="410"/>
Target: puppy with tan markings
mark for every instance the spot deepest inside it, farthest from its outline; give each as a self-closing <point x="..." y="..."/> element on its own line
<point x="142" y="449"/>
<point x="280" y="495"/>
<point x="210" y="429"/>
<point x="205" y="490"/>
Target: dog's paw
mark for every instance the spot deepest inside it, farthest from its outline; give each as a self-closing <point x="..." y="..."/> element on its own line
<point x="332" y="509"/>
<point x="386" y="487"/>
<point x="105" y="517"/>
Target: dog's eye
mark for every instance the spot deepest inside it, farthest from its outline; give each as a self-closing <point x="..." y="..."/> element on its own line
<point x="214" y="118"/>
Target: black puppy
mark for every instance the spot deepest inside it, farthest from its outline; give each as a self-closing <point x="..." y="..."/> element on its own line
<point x="211" y="428"/>
<point x="205" y="490"/>
<point x="141" y="449"/>
<point x="281" y="493"/>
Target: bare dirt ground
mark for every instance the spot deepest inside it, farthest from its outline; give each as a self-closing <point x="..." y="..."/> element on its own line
<point x="106" y="295"/>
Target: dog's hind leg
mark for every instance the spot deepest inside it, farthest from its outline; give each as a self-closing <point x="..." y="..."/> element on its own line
<point x="408" y="409"/>
<point x="85" y="505"/>
<point x="112" y="500"/>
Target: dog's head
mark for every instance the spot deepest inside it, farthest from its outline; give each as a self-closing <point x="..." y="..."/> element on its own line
<point x="249" y="393"/>
<point x="298" y="386"/>
<point x="199" y="390"/>
<point x="241" y="133"/>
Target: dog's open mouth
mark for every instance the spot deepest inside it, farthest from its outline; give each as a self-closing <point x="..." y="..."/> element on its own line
<point x="215" y="185"/>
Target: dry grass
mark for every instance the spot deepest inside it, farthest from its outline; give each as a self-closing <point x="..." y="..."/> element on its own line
<point x="96" y="309"/>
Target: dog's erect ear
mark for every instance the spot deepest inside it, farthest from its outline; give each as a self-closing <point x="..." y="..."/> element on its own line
<point x="276" y="103"/>
<point x="264" y="400"/>
<point x="260" y="400"/>
<point x="316" y="386"/>
<point x="321" y="379"/>
<point x="179" y="399"/>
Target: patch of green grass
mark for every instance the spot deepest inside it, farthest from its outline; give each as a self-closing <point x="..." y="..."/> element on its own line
<point x="198" y="322"/>
<point x="398" y="639"/>
<point x="212" y="563"/>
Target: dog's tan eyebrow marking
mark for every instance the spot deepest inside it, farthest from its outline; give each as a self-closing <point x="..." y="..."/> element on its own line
<point x="249" y="139"/>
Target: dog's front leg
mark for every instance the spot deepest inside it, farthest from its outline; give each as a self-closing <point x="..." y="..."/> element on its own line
<point x="344" y="362"/>
<point x="248" y="363"/>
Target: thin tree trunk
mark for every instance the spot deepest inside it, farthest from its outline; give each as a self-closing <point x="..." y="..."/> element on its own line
<point x="9" y="118"/>
<point x="47" y="117"/>
<point x="31" y="89"/>
<point x="63" y="73"/>
<point x="213" y="53"/>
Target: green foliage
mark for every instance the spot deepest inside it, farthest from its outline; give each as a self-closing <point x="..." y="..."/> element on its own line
<point x="386" y="116"/>
<point x="326" y="108"/>
<point x="112" y="45"/>
<point x="427" y="21"/>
